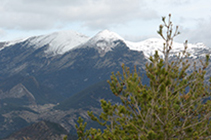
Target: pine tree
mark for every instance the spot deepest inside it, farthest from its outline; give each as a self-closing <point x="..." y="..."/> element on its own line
<point x="172" y="106"/>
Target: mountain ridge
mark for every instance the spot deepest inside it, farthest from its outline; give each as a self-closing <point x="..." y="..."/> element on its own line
<point x="61" y="42"/>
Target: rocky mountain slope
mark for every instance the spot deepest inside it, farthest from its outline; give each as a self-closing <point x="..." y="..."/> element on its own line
<point x="43" y="130"/>
<point x="60" y="76"/>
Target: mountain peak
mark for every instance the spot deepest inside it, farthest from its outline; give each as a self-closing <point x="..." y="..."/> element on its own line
<point x="59" y="42"/>
<point x="104" y="41"/>
<point x="108" y="35"/>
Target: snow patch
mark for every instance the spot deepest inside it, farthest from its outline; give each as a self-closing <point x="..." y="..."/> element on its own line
<point x="104" y="40"/>
<point x="149" y="47"/>
<point x="10" y="43"/>
<point x="59" y="42"/>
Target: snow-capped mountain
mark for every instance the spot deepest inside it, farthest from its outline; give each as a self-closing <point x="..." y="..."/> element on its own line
<point x="58" y="42"/>
<point x="52" y="57"/>
<point x="64" y="41"/>
<point x="35" y="54"/>
<point x="48" y="69"/>
<point x="103" y="41"/>
<point x="149" y="47"/>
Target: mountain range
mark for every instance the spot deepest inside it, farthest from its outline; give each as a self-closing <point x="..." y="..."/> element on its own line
<point x="59" y="76"/>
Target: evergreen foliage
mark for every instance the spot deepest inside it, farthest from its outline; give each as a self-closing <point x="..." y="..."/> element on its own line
<point x="173" y="106"/>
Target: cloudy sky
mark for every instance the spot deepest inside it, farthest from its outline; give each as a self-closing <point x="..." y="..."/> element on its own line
<point x="134" y="20"/>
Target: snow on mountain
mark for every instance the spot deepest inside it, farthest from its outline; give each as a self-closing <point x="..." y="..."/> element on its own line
<point x="149" y="47"/>
<point x="104" y="40"/>
<point x="10" y="43"/>
<point x="106" y="36"/>
<point x="59" y="42"/>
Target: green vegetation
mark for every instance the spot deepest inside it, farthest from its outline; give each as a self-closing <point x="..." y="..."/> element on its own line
<point x="173" y="106"/>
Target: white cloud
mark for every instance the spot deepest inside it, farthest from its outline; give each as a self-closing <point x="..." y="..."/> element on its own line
<point x="199" y="34"/>
<point x="134" y="19"/>
<point x="2" y="33"/>
<point x="45" y="14"/>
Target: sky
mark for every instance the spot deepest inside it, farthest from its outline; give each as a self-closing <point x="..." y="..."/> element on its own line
<point x="134" y="20"/>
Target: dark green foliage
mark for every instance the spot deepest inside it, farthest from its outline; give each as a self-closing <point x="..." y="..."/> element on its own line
<point x="171" y="107"/>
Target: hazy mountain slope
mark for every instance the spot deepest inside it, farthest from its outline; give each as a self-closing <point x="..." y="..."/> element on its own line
<point x="89" y="97"/>
<point x="20" y="90"/>
<point x="82" y="67"/>
<point x="43" y="130"/>
<point x="14" y="124"/>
